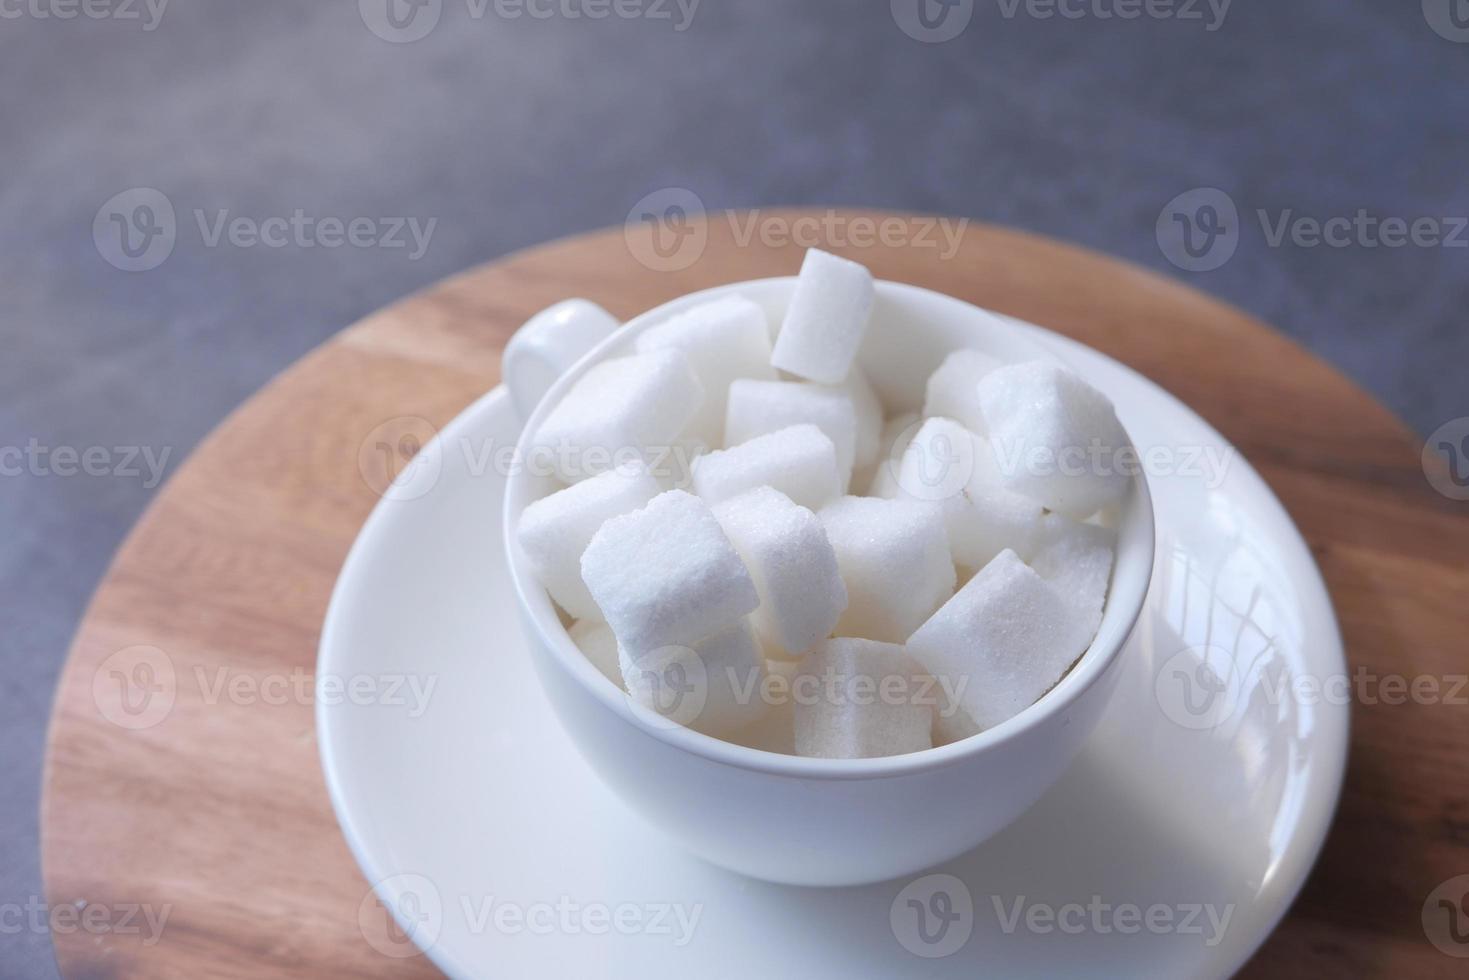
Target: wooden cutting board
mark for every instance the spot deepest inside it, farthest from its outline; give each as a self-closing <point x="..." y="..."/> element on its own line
<point x="216" y="809"/>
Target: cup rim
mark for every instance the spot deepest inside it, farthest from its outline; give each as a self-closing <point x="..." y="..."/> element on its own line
<point x="1084" y="673"/>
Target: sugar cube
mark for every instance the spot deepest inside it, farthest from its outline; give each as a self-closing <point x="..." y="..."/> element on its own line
<point x="1076" y="559"/>
<point x="666" y="574"/>
<point x="621" y="409"/>
<point x="555" y="530"/>
<point x="897" y="432"/>
<point x="893" y="556"/>
<point x="1060" y="436"/>
<point x="951" y="723"/>
<point x="758" y="407"/>
<point x="953" y="389"/>
<point x="800" y="461"/>
<point x="826" y="319"/>
<point x="1001" y="642"/>
<point x="952" y="468"/>
<point x="793" y="566"/>
<point x="724" y="339"/>
<point x="858" y="699"/>
<point x="868" y="410"/>
<point x="715" y="686"/>
<point x="599" y="645"/>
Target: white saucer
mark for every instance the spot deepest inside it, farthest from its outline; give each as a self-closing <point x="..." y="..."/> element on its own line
<point x="480" y="803"/>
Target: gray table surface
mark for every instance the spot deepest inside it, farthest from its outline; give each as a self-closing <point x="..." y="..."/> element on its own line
<point x="510" y="130"/>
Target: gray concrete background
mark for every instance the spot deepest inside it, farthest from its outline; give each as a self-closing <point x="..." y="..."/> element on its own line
<point x="514" y="131"/>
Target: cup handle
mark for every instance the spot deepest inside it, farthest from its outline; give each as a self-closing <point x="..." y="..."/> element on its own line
<point x="547" y="345"/>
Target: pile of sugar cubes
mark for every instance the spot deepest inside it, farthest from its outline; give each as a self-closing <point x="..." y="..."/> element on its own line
<point x="754" y="590"/>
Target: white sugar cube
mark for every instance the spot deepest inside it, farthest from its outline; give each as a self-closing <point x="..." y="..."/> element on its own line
<point x="599" y="645"/>
<point x="793" y="566"/>
<point x="715" y="686"/>
<point x="800" y="461"/>
<point x="724" y="339"/>
<point x="951" y="723"/>
<point x="1076" y="559"/>
<point x="894" y="559"/>
<point x="857" y="699"/>
<point x="897" y="432"/>
<point x="953" y="389"/>
<point x="621" y="409"/>
<point x="666" y="574"/>
<point x="827" y="317"/>
<point x="868" y="410"/>
<point x="555" y="530"/>
<point x="1001" y="642"/>
<point x="758" y="407"/>
<point x="1060" y="436"/>
<point x="950" y="467"/>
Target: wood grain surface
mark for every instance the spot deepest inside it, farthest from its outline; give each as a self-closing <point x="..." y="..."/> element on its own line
<point x="217" y="810"/>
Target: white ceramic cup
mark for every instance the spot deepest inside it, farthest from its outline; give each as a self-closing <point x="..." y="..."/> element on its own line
<point x="818" y="821"/>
